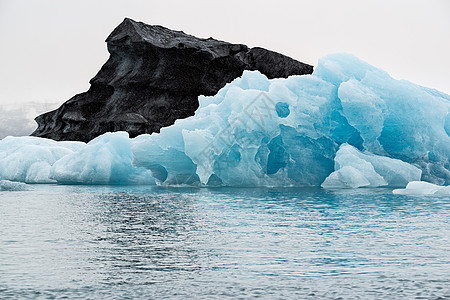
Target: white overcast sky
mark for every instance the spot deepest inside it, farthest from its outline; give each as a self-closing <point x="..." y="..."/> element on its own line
<point x="51" y="48"/>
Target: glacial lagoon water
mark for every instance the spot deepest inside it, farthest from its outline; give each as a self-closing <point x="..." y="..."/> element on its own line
<point x="143" y="242"/>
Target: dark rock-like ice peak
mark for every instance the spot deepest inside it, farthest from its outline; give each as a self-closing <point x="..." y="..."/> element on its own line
<point x="153" y="77"/>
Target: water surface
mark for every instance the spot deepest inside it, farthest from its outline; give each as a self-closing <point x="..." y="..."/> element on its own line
<point x="152" y="242"/>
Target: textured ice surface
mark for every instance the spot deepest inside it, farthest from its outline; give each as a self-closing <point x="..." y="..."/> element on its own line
<point x="260" y="132"/>
<point x="6" y="185"/>
<point x="423" y="188"/>
<point x="29" y="159"/>
<point x="282" y="132"/>
<point x="355" y="169"/>
<point x="104" y="160"/>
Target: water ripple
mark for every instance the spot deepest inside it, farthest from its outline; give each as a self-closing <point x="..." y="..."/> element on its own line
<point x="151" y="242"/>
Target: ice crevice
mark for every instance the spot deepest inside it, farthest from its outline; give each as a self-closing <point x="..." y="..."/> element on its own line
<point x="347" y="125"/>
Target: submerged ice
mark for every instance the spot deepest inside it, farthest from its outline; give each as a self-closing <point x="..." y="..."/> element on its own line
<point x="348" y="124"/>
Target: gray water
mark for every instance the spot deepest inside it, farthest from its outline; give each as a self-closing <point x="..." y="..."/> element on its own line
<point x="157" y="243"/>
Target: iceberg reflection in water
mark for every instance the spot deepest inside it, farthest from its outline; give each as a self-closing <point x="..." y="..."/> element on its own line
<point x="152" y="242"/>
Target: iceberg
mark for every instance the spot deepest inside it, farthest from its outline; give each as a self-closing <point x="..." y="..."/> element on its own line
<point x="423" y="188"/>
<point x="287" y="132"/>
<point x="347" y="125"/>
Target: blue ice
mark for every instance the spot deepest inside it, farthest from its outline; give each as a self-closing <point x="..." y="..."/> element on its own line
<point x="348" y="124"/>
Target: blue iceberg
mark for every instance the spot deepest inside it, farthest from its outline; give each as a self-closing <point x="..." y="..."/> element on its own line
<point x="286" y="132"/>
<point x="348" y="124"/>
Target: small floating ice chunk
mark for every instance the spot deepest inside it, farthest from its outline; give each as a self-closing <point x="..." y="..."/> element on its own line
<point x="356" y="169"/>
<point x="423" y="188"/>
<point x="6" y="185"/>
<point x="346" y="177"/>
